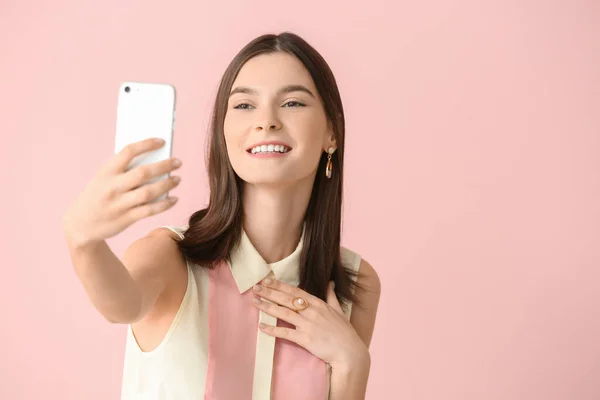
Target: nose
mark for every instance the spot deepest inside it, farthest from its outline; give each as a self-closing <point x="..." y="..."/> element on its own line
<point x="268" y="121"/>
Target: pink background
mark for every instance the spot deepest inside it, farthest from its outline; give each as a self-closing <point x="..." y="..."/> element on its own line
<point x="473" y="181"/>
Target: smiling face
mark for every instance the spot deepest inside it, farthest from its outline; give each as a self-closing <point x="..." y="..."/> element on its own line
<point x="275" y="126"/>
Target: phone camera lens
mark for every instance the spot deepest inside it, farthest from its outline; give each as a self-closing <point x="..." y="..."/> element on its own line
<point x="127" y="89"/>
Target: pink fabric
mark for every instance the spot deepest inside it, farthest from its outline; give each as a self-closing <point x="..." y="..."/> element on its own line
<point x="233" y="323"/>
<point x="233" y="328"/>
<point x="297" y="373"/>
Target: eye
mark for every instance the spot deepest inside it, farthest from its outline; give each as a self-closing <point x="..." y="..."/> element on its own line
<point x="294" y="104"/>
<point x="243" y="106"/>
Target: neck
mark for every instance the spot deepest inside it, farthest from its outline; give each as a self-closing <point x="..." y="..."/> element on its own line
<point x="274" y="217"/>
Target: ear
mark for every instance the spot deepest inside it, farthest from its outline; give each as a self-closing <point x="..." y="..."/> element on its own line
<point x="330" y="142"/>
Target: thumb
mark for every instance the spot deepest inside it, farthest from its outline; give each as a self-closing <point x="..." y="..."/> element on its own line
<point x="332" y="299"/>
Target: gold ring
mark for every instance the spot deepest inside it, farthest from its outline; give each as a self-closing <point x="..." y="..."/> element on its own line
<point x="299" y="304"/>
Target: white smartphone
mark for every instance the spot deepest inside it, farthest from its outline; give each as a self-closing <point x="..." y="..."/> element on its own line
<point x="146" y="110"/>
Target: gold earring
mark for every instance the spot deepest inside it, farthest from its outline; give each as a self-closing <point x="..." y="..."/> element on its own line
<point x="328" y="167"/>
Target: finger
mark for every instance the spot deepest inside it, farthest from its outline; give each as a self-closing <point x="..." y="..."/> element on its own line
<point x="146" y="193"/>
<point x="291" y="291"/>
<point x="147" y="210"/>
<point x="332" y="299"/>
<point x="132" y="150"/>
<point x="293" y="335"/>
<point x="285" y="299"/>
<point x="280" y="312"/>
<point x="276" y="296"/>
<point x="144" y="173"/>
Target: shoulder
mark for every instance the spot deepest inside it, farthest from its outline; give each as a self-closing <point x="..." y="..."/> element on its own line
<point x="370" y="276"/>
<point x="156" y="257"/>
<point x="367" y="275"/>
<point x="364" y="314"/>
<point x="350" y="259"/>
<point x="160" y="242"/>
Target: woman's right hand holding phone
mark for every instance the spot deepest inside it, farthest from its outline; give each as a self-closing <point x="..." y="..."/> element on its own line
<point x="115" y="198"/>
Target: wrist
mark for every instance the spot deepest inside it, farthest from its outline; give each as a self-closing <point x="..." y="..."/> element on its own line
<point x="357" y="363"/>
<point x="78" y="243"/>
<point x="349" y="379"/>
<point x="74" y="239"/>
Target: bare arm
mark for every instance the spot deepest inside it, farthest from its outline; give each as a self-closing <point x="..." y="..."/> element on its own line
<point x="124" y="292"/>
<point x="115" y="198"/>
<point x="350" y="382"/>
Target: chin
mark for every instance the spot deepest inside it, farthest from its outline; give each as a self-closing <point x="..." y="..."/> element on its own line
<point x="278" y="181"/>
<point x="270" y="181"/>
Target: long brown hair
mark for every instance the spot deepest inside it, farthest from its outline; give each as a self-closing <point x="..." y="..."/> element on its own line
<point x="214" y="231"/>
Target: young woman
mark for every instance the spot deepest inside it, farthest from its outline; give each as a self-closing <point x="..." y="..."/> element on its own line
<point x="254" y="298"/>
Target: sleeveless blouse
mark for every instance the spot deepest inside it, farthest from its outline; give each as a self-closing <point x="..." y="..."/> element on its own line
<point x="214" y="350"/>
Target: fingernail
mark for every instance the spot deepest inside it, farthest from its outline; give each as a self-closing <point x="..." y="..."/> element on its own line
<point x="262" y="325"/>
<point x="176" y="179"/>
<point x="173" y="199"/>
<point x="257" y="288"/>
<point x="160" y="141"/>
<point x="176" y="163"/>
<point x="268" y="281"/>
<point x="256" y="300"/>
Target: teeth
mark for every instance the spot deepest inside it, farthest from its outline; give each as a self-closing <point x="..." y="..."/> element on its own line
<point x="269" y="148"/>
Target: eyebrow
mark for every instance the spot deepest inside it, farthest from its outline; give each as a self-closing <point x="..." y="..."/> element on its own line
<point x="283" y="90"/>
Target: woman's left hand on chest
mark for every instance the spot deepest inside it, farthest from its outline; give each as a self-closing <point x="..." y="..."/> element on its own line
<point x="321" y="327"/>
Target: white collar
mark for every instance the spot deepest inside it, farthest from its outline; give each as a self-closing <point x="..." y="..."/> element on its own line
<point x="249" y="268"/>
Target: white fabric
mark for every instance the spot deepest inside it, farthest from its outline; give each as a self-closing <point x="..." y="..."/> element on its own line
<point x="176" y="368"/>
